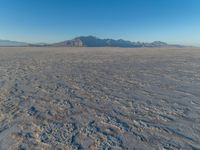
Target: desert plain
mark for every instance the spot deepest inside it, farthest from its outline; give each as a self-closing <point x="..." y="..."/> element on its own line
<point x="99" y="98"/>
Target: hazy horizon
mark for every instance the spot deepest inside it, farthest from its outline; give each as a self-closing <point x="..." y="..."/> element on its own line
<point x="49" y="21"/>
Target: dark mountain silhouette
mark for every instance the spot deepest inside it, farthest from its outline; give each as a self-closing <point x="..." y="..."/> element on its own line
<point x="91" y="41"/>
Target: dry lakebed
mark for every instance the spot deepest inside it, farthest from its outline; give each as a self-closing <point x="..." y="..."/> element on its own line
<point x="99" y="98"/>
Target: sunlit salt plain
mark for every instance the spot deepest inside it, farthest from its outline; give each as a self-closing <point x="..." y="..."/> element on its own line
<point x="99" y="98"/>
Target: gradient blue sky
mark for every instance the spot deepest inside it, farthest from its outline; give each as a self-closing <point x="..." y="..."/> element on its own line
<point x="172" y="21"/>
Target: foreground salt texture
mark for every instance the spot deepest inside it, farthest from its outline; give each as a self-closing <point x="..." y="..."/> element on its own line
<point x="99" y="98"/>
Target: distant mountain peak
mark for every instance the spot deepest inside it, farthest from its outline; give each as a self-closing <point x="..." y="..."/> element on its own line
<point x="92" y="41"/>
<point x="159" y="43"/>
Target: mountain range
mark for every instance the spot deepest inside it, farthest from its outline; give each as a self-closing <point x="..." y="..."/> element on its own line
<point x="12" y="43"/>
<point x="91" y="41"/>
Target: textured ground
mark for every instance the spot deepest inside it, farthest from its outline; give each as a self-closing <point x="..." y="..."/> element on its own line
<point x="99" y="98"/>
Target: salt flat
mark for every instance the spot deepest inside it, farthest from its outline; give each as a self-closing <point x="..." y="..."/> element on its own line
<point x="99" y="98"/>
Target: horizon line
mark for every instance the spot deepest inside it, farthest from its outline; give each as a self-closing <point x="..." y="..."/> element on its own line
<point x="57" y="41"/>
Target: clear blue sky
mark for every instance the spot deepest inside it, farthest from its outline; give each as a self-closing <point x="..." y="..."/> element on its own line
<point x="173" y="21"/>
